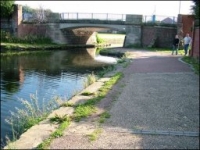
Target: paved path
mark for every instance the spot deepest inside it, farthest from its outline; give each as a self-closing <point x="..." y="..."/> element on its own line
<point x="155" y="106"/>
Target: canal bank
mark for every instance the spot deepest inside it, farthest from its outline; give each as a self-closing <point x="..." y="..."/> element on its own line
<point x="38" y="133"/>
<point x="125" y="102"/>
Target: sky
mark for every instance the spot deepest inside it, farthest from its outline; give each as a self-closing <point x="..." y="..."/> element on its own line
<point x="162" y="8"/>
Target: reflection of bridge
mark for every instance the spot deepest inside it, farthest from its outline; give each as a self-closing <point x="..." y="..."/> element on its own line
<point x="81" y="29"/>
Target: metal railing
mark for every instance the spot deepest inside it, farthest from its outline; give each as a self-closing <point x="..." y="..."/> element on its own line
<point x="93" y="16"/>
<point x="160" y="19"/>
<point x="112" y="17"/>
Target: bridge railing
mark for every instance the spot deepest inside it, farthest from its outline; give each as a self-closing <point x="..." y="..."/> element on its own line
<point x="160" y="19"/>
<point x="100" y="16"/>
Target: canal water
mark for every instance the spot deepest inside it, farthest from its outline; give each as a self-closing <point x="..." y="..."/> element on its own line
<point x="48" y="74"/>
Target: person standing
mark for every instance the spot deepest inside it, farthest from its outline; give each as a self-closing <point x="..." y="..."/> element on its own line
<point x="175" y="45"/>
<point x="187" y="41"/>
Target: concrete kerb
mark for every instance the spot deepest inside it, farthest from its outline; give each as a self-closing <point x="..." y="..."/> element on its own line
<point x="38" y="133"/>
<point x="180" y="59"/>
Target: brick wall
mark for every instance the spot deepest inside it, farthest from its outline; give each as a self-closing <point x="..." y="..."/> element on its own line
<point x="187" y="21"/>
<point x="164" y="36"/>
<point x="30" y="29"/>
<point x="195" y="43"/>
<point x="148" y="33"/>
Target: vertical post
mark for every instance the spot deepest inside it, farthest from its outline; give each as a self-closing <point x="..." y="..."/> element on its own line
<point x="77" y="16"/>
<point x="154" y="18"/>
<point x="193" y="37"/>
<point x="92" y="15"/>
<point x="179" y="7"/>
<point x="145" y="19"/>
<point x="107" y="16"/>
<point x="173" y="19"/>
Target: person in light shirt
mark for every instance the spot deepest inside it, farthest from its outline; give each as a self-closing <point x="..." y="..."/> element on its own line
<point x="187" y="41"/>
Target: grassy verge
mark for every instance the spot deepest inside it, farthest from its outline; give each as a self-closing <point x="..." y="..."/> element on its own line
<point x="58" y="133"/>
<point x="192" y="61"/>
<point x="86" y="109"/>
<point x="13" y="48"/>
<point x="82" y="111"/>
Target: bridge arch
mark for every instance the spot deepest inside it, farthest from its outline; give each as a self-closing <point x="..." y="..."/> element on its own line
<point x="85" y="33"/>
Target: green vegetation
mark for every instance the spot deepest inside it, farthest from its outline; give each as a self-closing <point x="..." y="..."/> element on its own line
<point x="193" y="61"/>
<point x="83" y="111"/>
<point x="105" y="70"/>
<point x="99" y="39"/>
<point x="26" y="52"/>
<point x="30" y="114"/>
<point x="58" y="133"/>
<point x="195" y="8"/>
<point x="67" y="104"/>
<point x="103" y="117"/>
<point x="59" y="119"/>
<point x="87" y="93"/>
<point x="86" y="109"/>
<point x="31" y="39"/>
<point x="94" y="135"/>
<point x="7" y="8"/>
<point x="91" y="78"/>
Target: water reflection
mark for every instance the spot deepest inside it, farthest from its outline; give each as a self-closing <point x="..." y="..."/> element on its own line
<point x="88" y="58"/>
<point x="54" y="73"/>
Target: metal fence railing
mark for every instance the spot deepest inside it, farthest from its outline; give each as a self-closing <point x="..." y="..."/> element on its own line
<point x="160" y="19"/>
<point x="112" y="17"/>
<point x="100" y="16"/>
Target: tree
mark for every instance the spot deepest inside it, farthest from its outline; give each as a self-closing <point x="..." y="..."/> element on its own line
<point x="195" y="8"/>
<point x="27" y="9"/>
<point x="7" y="8"/>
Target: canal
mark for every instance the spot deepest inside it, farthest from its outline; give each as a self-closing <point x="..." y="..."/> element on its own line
<point x="60" y="73"/>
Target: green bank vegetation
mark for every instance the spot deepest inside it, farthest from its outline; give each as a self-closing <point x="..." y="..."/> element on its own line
<point x="194" y="62"/>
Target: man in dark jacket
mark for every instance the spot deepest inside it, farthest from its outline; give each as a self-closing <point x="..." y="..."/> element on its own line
<point x="175" y="45"/>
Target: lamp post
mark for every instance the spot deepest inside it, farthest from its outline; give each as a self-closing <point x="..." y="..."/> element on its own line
<point x="179" y="7"/>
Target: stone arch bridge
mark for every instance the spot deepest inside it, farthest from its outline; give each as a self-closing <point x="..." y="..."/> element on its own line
<point x="84" y="31"/>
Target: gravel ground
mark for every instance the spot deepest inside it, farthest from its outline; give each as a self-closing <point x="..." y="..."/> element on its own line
<point x="158" y="94"/>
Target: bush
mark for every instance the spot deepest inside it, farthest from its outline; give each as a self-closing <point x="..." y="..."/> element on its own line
<point x="99" y="40"/>
<point x="33" y="39"/>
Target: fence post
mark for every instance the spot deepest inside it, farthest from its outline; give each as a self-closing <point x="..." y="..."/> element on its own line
<point x="173" y="19"/>
<point x="77" y="16"/>
<point x="92" y="15"/>
<point x="154" y="18"/>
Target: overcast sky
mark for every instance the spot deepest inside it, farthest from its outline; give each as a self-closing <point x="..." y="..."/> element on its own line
<point x="163" y="8"/>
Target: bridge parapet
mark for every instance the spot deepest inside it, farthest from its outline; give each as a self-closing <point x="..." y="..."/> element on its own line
<point x="134" y="19"/>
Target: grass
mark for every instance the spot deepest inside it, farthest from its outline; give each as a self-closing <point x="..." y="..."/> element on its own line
<point x="59" y="119"/>
<point x="58" y="133"/>
<point x="12" y="53"/>
<point x="30" y="115"/>
<point x="82" y="111"/>
<point x="193" y="61"/>
<point x="67" y="104"/>
<point x="87" y="93"/>
<point x="91" y="78"/>
<point x="86" y="109"/>
<point x="103" y="117"/>
<point x="94" y="135"/>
